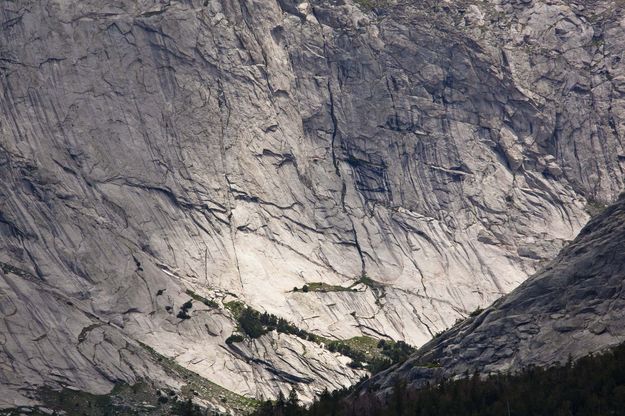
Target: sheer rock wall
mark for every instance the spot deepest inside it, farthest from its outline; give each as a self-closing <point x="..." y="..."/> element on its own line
<point x="435" y="152"/>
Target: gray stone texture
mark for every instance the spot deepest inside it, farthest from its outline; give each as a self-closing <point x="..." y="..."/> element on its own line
<point x="444" y="150"/>
<point x="572" y="308"/>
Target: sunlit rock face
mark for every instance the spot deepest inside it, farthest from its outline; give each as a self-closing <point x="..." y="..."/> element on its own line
<point x="425" y="157"/>
<point x="571" y="308"/>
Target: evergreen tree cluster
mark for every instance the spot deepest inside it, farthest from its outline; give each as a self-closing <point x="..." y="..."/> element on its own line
<point x="183" y="313"/>
<point x="592" y="386"/>
<point x="327" y="404"/>
<point x="187" y="408"/>
<point x="291" y="406"/>
<point x="358" y="357"/>
<point x="254" y="324"/>
<point x="397" y="352"/>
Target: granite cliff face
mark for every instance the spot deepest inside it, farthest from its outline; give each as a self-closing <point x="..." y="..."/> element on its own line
<point x="427" y="156"/>
<point x="572" y="308"/>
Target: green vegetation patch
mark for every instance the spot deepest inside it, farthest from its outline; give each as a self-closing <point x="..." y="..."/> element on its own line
<point x="323" y="287"/>
<point x="255" y="324"/>
<point x="429" y="364"/>
<point x="376" y="355"/>
<point x="184" y="310"/>
<point x="367" y="281"/>
<point x="235" y="307"/>
<point x="208" y="302"/>
<point x="234" y="338"/>
<point x="365" y="352"/>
